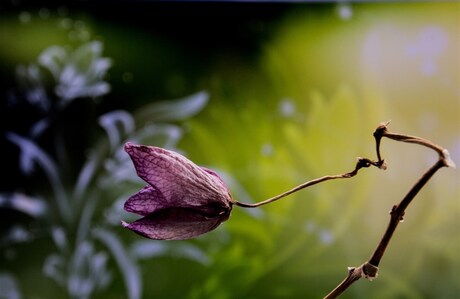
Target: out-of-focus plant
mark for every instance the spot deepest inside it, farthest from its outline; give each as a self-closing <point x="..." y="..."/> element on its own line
<point x="59" y="77"/>
<point x="70" y="212"/>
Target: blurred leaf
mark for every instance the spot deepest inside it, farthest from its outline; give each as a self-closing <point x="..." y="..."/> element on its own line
<point x="111" y="122"/>
<point x="79" y="73"/>
<point x="147" y="249"/>
<point x="163" y="135"/>
<point x="53" y="58"/>
<point x="31" y="153"/>
<point x="126" y="265"/>
<point x="54" y="267"/>
<point x="85" y="176"/>
<point x="173" y="110"/>
<point x="30" y="205"/>
<point x="87" y="271"/>
<point x="9" y="287"/>
<point x="32" y="82"/>
<point x="60" y="238"/>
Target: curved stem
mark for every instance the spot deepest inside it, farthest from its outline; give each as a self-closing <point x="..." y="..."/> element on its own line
<point x="362" y="162"/>
<point x="414" y="139"/>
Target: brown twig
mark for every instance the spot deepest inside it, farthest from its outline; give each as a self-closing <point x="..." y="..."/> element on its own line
<point x="370" y="268"/>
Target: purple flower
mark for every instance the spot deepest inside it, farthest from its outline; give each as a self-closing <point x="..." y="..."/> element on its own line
<point x="181" y="200"/>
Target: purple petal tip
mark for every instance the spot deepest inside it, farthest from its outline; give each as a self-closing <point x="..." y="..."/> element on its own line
<point x="128" y="146"/>
<point x="125" y="224"/>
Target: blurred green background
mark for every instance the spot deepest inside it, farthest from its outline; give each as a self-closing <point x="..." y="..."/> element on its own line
<point x="286" y="92"/>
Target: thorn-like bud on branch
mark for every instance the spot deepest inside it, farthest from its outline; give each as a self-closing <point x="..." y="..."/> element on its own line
<point x="381" y="129"/>
<point x="393" y="209"/>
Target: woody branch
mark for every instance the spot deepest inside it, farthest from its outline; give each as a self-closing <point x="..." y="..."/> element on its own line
<point x="369" y="269"/>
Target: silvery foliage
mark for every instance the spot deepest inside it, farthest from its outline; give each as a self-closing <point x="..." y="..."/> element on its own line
<point x="80" y="263"/>
<point x="65" y="74"/>
<point x="9" y="287"/>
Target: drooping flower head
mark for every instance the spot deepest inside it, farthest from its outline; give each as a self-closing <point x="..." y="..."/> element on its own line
<point x="181" y="201"/>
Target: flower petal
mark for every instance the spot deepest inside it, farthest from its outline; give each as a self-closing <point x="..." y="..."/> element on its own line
<point x="215" y="175"/>
<point x="180" y="181"/>
<point x="176" y="224"/>
<point x="146" y="201"/>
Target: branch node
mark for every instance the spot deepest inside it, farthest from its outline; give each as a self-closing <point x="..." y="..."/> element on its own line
<point x="381" y="165"/>
<point x="378" y="134"/>
<point x="393" y="210"/>
<point x="369" y="271"/>
<point x="397" y="214"/>
<point x="381" y="129"/>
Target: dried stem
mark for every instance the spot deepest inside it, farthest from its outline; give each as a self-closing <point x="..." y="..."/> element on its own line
<point x="369" y="269"/>
<point x="366" y="270"/>
<point x="361" y="163"/>
<point x="397" y="212"/>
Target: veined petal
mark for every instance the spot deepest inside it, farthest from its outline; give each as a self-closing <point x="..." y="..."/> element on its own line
<point x="215" y="175"/>
<point x="176" y="224"/>
<point x="146" y="201"/>
<point x="180" y="181"/>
